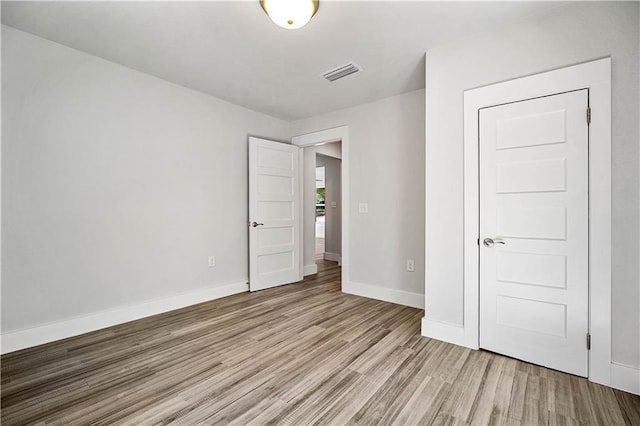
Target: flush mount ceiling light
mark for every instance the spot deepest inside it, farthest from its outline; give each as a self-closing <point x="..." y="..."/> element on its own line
<point x="290" y="14"/>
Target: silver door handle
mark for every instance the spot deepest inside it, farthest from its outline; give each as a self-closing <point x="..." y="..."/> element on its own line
<point x="489" y="242"/>
<point x="255" y="224"/>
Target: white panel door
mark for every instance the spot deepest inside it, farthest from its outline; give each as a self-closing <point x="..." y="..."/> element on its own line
<point x="274" y="209"/>
<point x="534" y="283"/>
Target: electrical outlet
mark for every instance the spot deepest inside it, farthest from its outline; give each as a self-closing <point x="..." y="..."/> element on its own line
<point x="363" y="208"/>
<point x="411" y="266"/>
<point x="212" y="261"/>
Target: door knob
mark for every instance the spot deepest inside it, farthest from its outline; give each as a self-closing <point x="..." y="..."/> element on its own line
<point x="489" y="242"/>
<point x="255" y="224"/>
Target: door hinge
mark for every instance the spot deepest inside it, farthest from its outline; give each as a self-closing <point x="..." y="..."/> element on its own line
<point x="588" y="115"/>
<point x="588" y="341"/>
<point x="478" y="241"/>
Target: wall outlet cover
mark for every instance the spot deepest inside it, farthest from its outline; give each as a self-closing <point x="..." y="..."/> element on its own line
<point x="411" y="266"/>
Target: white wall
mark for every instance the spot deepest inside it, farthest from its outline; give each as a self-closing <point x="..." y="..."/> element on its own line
<point x="575" y="34"/>
<point x="386" y="170"/>
<point x="333" y="222"/>
<point x="116" y="186"/>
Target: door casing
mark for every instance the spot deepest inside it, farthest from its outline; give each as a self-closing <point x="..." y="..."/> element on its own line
<point x="595" y="76"/>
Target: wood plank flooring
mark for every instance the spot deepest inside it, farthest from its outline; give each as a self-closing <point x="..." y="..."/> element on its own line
<point x="299" y="354"/>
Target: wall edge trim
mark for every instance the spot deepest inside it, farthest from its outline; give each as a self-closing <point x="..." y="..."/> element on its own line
<point x="310" y="269"/>
<point x="399" y="297"/>
<point x="448" y="332"/>
<point x="625" y="378"/>
<point x="49" y="332"/>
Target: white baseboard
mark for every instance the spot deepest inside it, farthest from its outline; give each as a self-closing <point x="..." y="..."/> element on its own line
<point x="34" y="336"/>
<point x="625" y="378"/>
<point x="332" y="257"/>
<point x="400" y="297"/>
<point x="310" y="269"/>
<point x="447" y="332"/>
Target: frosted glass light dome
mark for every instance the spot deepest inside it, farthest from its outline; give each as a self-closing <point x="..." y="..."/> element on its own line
<point x="290" y="14"/>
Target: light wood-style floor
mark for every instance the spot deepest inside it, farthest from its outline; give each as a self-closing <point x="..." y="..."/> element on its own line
<point x="298" y="354"/>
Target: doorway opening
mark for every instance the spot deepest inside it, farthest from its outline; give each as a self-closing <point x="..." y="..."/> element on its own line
<point x="327" y="207"/>
<point x="333" y="144"/>
<point x="321" y="208"/>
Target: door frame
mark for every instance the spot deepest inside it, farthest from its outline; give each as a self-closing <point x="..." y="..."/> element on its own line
<point x="595" y="76"/>
<point x="335" y="134"/>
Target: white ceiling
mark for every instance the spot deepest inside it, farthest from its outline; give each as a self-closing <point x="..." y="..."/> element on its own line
<point x="231" y="49"/>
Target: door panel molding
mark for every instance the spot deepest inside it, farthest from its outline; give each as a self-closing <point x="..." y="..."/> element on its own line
<point x="596" y="77"/>
<point x="542" y="215"/>
<point x="274" y="214"/>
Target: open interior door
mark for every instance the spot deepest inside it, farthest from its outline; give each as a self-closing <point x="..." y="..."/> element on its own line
<point x="274" y="214"/>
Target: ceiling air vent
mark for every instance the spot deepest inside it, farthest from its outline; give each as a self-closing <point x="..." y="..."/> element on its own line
<point x="341" y="71"/>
